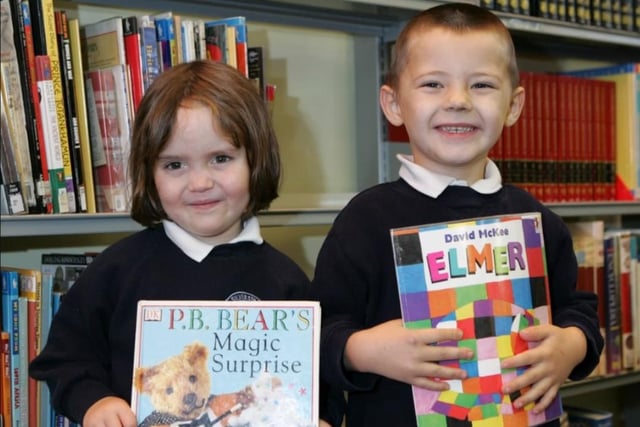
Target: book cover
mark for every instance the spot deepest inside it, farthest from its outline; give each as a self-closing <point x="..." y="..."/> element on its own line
<point x="588" y="245"/>
<point x="52" y="140"/>
<point x="81" y="109"/>
<point x="487" y="277"/>
<point x="103" y="43"/>
<point x="109" y="133"/>
<point x="242" y="362"/>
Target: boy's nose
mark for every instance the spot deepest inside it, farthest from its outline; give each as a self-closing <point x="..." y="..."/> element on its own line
<point x="457" y="99"/>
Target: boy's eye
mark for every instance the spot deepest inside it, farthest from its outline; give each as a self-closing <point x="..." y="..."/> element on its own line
<point x="432" y="85"/>
<point x="482" y="85"/>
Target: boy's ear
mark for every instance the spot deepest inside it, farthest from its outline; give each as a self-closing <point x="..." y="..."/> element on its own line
<point x="515" y="109"/>
<point x="390" y="106"/>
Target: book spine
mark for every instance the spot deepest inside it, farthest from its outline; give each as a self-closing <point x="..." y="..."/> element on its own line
<point x="23" y="363"/>
<point x="149" y="49"/>
<point x="52" y="135"/>
<point x="5" y="384"/>
<point x="81" y="111"/>
<point x="612" y="288"/>
<point x="13" y="201"/>
<point x="68" y="92"/>
<point x="133" y="54"/>
<point x="626" y="325"/>
<point x="56" y="79"/>
<point x="10" y="319"/>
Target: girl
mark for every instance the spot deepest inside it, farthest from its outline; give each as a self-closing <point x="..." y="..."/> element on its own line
<point x="204" y="160"/>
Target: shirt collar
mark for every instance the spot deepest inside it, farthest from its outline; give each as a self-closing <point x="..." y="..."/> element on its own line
<point x="197" y="249"/>
<point x="433" y="184"/>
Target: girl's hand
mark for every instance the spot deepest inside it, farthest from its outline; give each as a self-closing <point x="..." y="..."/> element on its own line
<point x="109" y="412"/>
<point x="406" y="355"/>
<point x="557" y="352"/>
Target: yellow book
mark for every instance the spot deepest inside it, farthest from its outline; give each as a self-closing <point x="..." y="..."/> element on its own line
<point x="81" y="111"/>
<point x="49" y="21"/>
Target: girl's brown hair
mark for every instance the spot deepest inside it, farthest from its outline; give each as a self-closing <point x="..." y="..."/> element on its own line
<point x="455" y="17"/>
<point x="240" y="112"/>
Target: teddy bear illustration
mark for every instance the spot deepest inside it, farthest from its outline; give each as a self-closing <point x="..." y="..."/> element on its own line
<point x="179" y="390"/>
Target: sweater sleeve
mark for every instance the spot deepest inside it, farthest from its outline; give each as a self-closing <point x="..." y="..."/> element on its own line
<point x="74" y="361"/>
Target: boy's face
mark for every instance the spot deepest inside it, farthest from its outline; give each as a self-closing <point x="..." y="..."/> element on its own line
<point x="454" y="96"/>
<point x="201" y="178"/>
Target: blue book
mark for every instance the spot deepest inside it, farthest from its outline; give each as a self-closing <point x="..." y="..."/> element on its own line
<point x="10" y="323"/>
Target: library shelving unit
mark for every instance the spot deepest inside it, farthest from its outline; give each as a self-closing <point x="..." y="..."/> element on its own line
<point x="366" y="158"/>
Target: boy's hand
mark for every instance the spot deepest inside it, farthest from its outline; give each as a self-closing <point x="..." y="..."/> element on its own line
<point x="109" y="412"/>
<point x="408" y="355"/>
<point x="558" y="351"/>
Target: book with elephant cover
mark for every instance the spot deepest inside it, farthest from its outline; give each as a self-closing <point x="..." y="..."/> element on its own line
<point x="486" y="276"/>
<point x="227" y="363"/>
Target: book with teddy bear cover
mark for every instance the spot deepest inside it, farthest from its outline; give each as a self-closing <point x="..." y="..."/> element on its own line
<point x="227" y="363"/>
<point x="488" y="277"/>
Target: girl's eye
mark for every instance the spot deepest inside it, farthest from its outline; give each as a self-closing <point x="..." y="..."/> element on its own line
<point x="221" y="158"/>
<point x="173" y="165"/>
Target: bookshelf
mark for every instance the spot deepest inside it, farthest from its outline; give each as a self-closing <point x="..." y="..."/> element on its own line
<point x="341" y="150"/>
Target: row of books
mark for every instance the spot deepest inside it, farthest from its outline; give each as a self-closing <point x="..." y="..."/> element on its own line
<point x="578" y="138"/>
<point x="623" y="15"/>
<point x="30" y="297"/>
<point x="609" y="266"/>
<point x="266" y="353"/>
<point x="70" y="93"/>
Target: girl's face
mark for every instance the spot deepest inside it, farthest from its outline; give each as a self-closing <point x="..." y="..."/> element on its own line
<point x="454" y="96"/>
<point x="201" y="178"/>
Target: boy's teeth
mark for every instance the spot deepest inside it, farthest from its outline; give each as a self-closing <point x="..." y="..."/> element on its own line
<point x="456" y="129"/>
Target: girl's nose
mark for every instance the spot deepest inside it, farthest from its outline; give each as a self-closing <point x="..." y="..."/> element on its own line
<point x="200" y="179"/>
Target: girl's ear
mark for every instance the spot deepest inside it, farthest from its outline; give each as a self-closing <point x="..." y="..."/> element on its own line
<point x="389" y="105"/>
<point x="515" y="108"/>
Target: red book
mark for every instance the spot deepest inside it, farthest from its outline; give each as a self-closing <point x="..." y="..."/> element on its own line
<point x="133" y="56"/>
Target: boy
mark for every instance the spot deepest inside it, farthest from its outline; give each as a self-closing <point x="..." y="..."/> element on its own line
<point x="453" y="83"/>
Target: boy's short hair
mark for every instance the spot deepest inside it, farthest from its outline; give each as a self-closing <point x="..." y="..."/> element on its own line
<point x="458" y="18"/>
<point x="240" y="113"/>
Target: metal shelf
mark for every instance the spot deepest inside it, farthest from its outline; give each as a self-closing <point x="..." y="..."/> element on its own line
<point x="599" y="383"/>
<point x="68" y="224"/>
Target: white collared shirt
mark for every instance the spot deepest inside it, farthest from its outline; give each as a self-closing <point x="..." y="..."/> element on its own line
<point x="433" y="184"/>
<point x="197" y="250"/>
